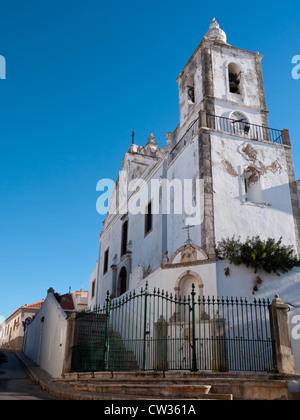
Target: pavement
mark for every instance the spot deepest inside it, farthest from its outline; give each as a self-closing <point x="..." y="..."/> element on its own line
<point x="15" y="383"/>
<point x="57" y="390"/>
<point x="53" y="388"/>
<point x="44" y="387"/>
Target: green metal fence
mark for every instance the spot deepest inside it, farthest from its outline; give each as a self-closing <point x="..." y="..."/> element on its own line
<point x="155" y="330"/>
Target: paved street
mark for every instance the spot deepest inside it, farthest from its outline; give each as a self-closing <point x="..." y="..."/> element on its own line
<point x="15" y="384"/>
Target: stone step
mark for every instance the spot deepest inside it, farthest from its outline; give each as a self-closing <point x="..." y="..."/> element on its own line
<point x="146" y="390"/>
<point x="227" y="385"/>
<point x="142" y="385"/>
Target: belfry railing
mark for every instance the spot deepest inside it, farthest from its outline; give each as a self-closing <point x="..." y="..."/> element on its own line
<point x="244" y="128"/>
<point x="231" y="126"/>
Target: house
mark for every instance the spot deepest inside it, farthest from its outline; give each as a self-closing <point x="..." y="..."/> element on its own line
<point x="46" y="337"/>
<point x="12" y="329"/>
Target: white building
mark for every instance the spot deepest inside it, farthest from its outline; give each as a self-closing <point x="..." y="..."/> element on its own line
<point x="239" y="177"/>
<point x="12" y="329"/>
<point x="46" y="337"/>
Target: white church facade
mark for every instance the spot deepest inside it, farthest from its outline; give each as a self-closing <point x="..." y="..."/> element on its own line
<point x="223" y="172"/>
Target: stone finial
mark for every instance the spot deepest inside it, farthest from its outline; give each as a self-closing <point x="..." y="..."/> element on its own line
<point x="152" y="144"/>
<point x="215" y="33"/>
<point x="151" y="138"/>
<point x="165" y="259"/>
<point x="169" y="137"/>
<point x="169" y="144"/>
<point x="50" y="290"/>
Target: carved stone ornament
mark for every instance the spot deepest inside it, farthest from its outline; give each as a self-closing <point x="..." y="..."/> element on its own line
<point x="188" y="254"/>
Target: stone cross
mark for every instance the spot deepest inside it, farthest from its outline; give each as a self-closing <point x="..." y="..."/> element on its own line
<point x="188" y="241"/>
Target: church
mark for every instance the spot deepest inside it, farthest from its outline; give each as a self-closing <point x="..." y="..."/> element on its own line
<point x="223" y="172"/>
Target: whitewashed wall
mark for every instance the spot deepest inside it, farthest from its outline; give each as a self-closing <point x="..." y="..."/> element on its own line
<point x="45" y="341"/>
<point x="240" y="283"/>
<point x="221" y="58"/>
<point x="235" y="216"/>
<point x="184" y="167"/>
<point x="93" y="277"/>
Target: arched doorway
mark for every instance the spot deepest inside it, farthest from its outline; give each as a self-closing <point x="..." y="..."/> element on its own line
<point x="123" y="281"/>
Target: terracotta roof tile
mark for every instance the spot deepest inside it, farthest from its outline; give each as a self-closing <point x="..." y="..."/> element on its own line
<point x="66" y="302"/>
<point x="35" y="305"/>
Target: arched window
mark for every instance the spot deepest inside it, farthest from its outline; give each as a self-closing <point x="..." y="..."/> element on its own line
<point x="253" y="188"/>
<point x="124" y="238"/>
<point x="191" y="90"/>
<point x="234" y="75"/>
<point x="123" y="281"/>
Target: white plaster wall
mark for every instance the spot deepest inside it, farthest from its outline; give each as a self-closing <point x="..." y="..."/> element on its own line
<point x="185" y="166"/>
<point x="45" y="341"/>
<point x="240" y="283"/>
<point x="146" y="250"/>
<point x="112" y="240"/>
<point x="192" y="69"/>
<point x="224" y="109"/>
<point x="232" y="215"/>
<point x="165" y="279"/>
<point x="93" y="277"/>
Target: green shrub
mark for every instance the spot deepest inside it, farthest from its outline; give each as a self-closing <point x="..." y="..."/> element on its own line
<point x="269" y="255"/>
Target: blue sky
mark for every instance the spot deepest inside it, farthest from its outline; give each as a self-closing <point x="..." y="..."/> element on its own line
<point x="81" y="75"/>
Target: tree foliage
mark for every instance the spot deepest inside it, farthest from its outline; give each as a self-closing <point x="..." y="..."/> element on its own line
<point x="269" y="255"/>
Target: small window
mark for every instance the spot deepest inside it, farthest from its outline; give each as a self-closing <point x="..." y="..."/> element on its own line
<point x="123" y="281"/>
<point x="148" y="218"/>
<point x="124" y="238"/>
<point x="105" y="266"/>
<point x="191" y="90"/>
<point x="93" y="288"/>
<point x="253" y="185"/>
<point x="234" y="74"/>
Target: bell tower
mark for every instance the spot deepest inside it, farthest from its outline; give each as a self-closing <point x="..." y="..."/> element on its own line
<point x="220" y="79"/>
<point x="245" y="165"/>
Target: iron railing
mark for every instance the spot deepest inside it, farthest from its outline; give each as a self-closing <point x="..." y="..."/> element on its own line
<point x="241" y="128"/>
<point x="244" y="128"/>
<point x="154" y="330"/>
<point x="185" y="139"/>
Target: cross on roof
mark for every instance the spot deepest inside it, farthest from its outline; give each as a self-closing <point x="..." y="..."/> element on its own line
<point x="188" y="241"/>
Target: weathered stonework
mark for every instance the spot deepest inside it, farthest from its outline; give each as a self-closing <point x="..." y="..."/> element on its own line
<point x="261" y="92"/>
<point x="294" y="195"/>
<point x="207" y="226"/>
<point x="281" y="337"/>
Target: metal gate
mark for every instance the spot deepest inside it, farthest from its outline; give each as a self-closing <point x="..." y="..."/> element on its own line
<point x="155" y="330"/>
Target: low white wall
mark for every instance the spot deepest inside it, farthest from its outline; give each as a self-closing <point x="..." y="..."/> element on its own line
<point x="240" y="283"/>
<point x="45" y="338"/>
